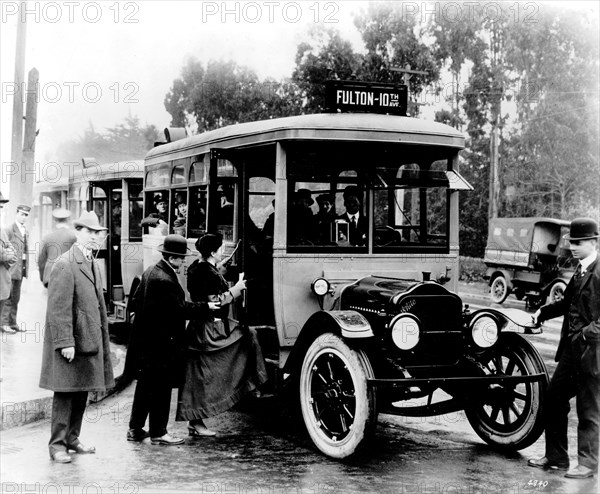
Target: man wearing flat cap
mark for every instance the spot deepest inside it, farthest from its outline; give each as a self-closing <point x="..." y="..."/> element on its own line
<point x="55" y="244"/>
<point x="7" y="258"/>
<point x="18" y="236"/>
<point x="578" y="356"/>
<point x="76" y="353"/>
<point x="155" y="352"/>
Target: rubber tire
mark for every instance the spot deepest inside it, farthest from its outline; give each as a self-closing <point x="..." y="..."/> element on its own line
<point x="499" y="289"/>
<point x="363" y="422"/>
<point x="528" y="426"/>
<point x="557" y="290"/>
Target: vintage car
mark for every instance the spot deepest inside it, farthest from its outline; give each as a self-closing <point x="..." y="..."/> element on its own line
<point x="528" y="257"/>
<point x="354" y="316"/>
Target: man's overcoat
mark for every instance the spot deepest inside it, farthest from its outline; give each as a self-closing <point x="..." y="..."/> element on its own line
<point x="76" y="317"/>
<point x="156" y="346"/>
<point x="6" y="260"/>
<point x="19" y="269"/>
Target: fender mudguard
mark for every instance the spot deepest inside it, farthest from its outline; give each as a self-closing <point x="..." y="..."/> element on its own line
<point x="512" y="320"/>
<point x="346" y="323"/>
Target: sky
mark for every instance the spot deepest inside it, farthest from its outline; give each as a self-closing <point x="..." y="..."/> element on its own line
<point x="102" y="60"/>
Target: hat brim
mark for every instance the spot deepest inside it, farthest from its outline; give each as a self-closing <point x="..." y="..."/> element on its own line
<point x="96" y="228"/>
<point x="568" y="237"/>
<point x="188" y="252"/>
<point x="3" y="201"/>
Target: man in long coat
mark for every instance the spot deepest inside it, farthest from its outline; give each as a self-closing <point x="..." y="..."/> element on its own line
<point x="155" y="352"/>
<point x="578" y="356"/>
<point x="54" y="244"/>
<point x="76" y="354"/>
<point x="7" y="258"/>
<point x="19" y="237"/>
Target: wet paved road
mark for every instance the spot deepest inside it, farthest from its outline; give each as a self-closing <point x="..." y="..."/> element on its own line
<point x="262" y="448"/>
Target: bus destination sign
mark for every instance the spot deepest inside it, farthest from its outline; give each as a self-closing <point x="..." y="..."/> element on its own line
<point x="351" y="96"/>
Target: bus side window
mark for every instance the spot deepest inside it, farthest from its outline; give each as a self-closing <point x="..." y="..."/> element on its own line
<point x="157" y="217"/>
<point x="196" y="214"/>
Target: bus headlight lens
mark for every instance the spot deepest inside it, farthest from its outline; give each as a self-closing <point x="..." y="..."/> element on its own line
<point x="484" y="330"/>
<point x="405" y="331"/>
<point x="320" y="286"/>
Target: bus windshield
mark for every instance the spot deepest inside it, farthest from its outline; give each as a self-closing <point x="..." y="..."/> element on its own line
<point x="342" y="193"/>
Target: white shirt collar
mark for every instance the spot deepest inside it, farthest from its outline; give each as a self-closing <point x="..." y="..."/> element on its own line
<point x="21" y="228"/>
<point x="86" y="252"/>
<point x="585" y="263"/>
<point x="355" y="216"/>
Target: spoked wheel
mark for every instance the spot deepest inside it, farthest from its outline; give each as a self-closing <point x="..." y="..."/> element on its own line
<point x="510" y="416"/>
<point x="557" y="292"/>
<point x="338" y="407"/>
<point x="499" y="289"/>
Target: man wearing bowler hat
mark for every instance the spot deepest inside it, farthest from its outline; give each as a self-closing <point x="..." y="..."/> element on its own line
<point x="7" y="258"/>
<point x="76" y="353"/>
<point x="18" y="236"/>
<point x="155" y="352"/>
<point x="55" y="244"/>
<point x="578" y="356"/>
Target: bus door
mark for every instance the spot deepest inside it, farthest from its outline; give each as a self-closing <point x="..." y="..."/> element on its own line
<point x="107" y="198"/>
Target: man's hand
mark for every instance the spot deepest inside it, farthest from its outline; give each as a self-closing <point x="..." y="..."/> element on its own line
<point x="241" y="284"/>
<point x="68" y="353"/>
<point x="214" y="305"/>
<point x="535" y="317"/>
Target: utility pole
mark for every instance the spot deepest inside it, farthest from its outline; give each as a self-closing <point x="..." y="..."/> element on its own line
<point x="28" y="162"/>
<point x="16" y="153"/>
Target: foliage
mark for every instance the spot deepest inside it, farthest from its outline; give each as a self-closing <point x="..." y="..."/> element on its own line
<point x="225" y="93"/>
<point x="125" y="141"/>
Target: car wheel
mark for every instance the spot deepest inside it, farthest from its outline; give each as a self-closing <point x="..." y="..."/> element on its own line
<point x="557" y="292"/>
<point x="338" y="407"/>
<point x="499" y="289"/>
<point x="510" y="415"/>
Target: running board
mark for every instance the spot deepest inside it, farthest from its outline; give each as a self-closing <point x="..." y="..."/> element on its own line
<point x="482" y="380"/>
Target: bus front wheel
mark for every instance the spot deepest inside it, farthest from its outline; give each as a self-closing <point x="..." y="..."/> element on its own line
<point x="338" y="407"/>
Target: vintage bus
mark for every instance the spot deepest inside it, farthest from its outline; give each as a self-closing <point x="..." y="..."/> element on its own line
<point x="47" y="196"/>
<point x="356" y="314"/>
<point x="114" y="192"/>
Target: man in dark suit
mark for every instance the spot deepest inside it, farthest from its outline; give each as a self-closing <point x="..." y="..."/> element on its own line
<point x="55" y="244"/>
<point x="7" y="259"/>
<point x="76" y="353"/>
<point x="155" y="352"/>
<point x="354" y="216"/>
<point x="578" y="356"/>
<point x="18" y="237"/>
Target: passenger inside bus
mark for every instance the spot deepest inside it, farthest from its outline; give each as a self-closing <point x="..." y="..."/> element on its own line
<point x="325" y="218"/>
<point x="157" y="220"/>
<point x="181" y="219"/>
<point x="301" y="218"/>
<point x="354" y="216"/>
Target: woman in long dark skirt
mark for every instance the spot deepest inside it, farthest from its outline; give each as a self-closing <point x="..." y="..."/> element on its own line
<point x="224" y="363"/>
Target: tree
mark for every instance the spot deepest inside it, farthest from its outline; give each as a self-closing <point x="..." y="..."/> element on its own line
<point x="225" y="93"/>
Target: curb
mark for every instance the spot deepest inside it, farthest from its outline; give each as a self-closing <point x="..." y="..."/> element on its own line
<point x="34" y="410"/>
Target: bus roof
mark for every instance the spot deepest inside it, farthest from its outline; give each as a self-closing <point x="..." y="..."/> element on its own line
<point x="321" y="127"/>
<point x="109" y="171"/>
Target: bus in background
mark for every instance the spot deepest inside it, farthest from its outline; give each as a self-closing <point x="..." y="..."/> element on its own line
<point x="47" y="196"/>
<point x="114" y="192"/>
<point x="347" y="226"/>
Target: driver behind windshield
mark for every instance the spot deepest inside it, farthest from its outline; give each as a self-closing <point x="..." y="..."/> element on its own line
<point x="354" y="216"/>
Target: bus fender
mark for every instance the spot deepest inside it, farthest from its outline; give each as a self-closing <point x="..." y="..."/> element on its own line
<point x="346" y="323"/>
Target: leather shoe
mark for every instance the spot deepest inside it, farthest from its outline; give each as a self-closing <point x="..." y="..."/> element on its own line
<point x="545" y="463"/>
<point x="82" y="449"/>
<point x="167" y="440"/>
<point x="201" y="431"/>
<point x="61" y="457"/>
<point x="7" y="330"/>
<point x="137" y="435"/>
<point x="579" y="472"/>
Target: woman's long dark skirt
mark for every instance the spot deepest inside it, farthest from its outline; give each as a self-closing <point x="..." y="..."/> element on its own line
<point x="215" y="381"/>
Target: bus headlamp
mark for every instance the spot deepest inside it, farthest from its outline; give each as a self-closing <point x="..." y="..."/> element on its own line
<point x="406" y="331"/>
<point x="484" y="331"/>
<point x="320" y="286"/>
